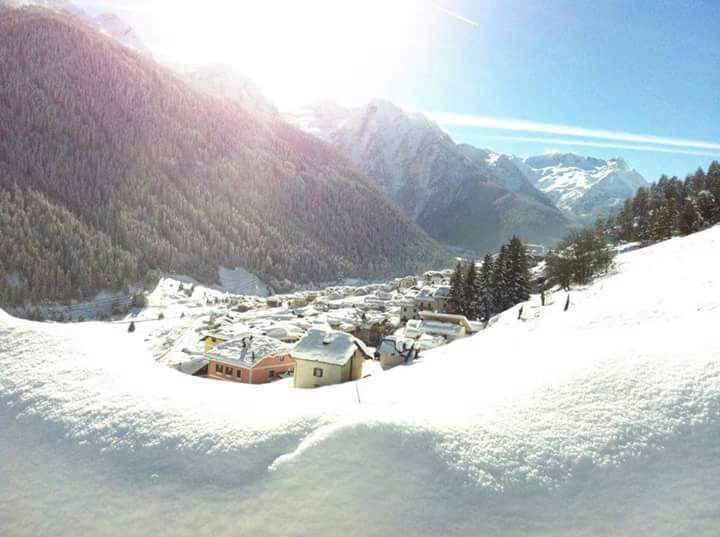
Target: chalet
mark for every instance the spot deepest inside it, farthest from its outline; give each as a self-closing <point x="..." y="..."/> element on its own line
<point x="225" y="333"/>
<point x="433" y="277"/>
<point x="408" y="310"/>
<point x="441" y="297"/>
<point x="425" y="299"/>
<point x="470" y="326"/>
<point x="372" y="332"/>
<point x="395" y="350"/>
<point x="251" y="360"/>
<point x="450" y="331"/>
<point x="324" y="357"/>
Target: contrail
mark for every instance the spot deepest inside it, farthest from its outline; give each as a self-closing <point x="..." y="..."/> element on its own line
<point x="522" y="125"/>
<point x="454" y="15"/>
<point x="584" y="143"/>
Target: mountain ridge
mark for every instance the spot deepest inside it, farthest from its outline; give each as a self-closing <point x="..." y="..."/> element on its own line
<point x="456" y="195"/>
<point x="179" y="180"/>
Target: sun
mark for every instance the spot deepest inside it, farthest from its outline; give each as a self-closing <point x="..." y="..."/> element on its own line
<point x="300" y="50"/>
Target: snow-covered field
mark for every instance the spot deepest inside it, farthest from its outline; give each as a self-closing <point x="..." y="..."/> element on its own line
<point x="602" y="420"/>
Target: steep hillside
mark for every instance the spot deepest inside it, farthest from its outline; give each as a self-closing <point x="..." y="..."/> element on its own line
<point x="176" y="178"/>
<point x="461" y="196"/>
<point x="226" y="83"/>
<point x="600" y="420"/>
<point x="584" y="186"/>
<point x="108" y="23"/>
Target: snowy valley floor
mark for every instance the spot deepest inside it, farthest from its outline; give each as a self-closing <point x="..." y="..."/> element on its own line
<point x="603" y="420"/>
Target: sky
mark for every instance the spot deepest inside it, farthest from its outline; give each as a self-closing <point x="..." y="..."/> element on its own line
<point x="636" y="78"/>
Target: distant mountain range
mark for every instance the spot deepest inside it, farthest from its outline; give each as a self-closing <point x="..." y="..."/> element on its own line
<point x="450" y="189"/>
<point x="462" y="196"/>
<point x="585" y="187"/>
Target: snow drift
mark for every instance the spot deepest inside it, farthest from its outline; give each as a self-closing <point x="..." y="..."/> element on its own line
<point x="603" y="420"/>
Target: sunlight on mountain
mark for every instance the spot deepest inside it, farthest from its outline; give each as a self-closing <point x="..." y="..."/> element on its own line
<point x="302" y="50"/>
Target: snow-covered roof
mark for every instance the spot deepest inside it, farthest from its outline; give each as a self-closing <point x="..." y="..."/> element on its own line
<point x="442" y="292"/>
<point x="247" y="352"/>
<point x="416" y="327"/>
<point x="229" y="332"/>
<point x="327" y="346"/>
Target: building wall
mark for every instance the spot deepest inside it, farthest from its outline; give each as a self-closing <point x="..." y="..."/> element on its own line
<point x="260" y="374"/>
<point x="332" y="374"/>
<point x="212" y="342"/>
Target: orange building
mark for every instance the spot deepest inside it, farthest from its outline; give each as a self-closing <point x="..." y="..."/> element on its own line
<point x="253" y="359"/>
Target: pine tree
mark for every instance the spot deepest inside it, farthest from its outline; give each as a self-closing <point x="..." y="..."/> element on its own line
<point x="518" y="271"/>
<point x="486" y="306"/>
<point x="457" y="289"/>
<point x="500" y="287"/>
<point x="470" y="292"/>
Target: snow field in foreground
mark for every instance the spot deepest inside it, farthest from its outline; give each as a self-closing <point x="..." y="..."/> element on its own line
<point x="597" y="421"/>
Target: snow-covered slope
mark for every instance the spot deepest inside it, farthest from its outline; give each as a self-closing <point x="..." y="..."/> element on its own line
<point x="602" y="420"/>
<point x="460" y="195"/>
<point x="583" y="186"/>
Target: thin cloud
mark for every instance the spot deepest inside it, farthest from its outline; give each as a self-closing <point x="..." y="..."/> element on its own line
<point x="522" y="125"/>
<point x="454" y="15"/>
<point x="584" y="143"/>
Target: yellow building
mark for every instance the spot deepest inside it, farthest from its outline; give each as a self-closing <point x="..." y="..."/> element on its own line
<point x="228" y="332"/>
<point x="323" y="357"/>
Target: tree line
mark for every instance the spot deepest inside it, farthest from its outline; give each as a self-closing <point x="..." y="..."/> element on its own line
<point x="500" y="282"/>
<point x="665" y="209"/>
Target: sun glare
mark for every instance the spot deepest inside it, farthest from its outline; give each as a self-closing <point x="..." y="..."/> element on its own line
<point x="298" y="51"/>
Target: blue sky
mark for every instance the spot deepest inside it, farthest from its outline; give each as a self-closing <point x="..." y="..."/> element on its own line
<point x="643" y="67"/>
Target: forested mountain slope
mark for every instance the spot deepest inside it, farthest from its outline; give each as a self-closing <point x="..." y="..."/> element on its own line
<point x="169" y="177"/>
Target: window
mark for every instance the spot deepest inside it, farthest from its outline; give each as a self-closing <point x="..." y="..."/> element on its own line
<point x="239" y="371"/>
<point x="318" y="372"/>
<point x="271" y="373"/>
<point x="218" y="368"/>
<point x="228" y="370"/>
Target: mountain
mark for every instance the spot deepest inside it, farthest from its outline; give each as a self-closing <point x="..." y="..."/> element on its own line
<point x="460" y="195"/>
<point x="227" y="83"/>
<point x="119" y="155"/>
<point x="107" y="23"/>
<point x="583" y="186"/>
<point x="117" y="28"/>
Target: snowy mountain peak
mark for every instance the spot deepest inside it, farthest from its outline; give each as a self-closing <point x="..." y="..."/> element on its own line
<point x="583" y="186"/>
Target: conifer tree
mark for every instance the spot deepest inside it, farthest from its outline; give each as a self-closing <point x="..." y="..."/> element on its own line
<point x="486" y="307"/>
<point x="457" y="289"/>
<point x="470" y="289"/>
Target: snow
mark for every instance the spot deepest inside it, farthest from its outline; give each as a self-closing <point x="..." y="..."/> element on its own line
<point x="602" y="420"/>
<point x="249" y="351"/>
<point x="327" y="346"/>
<point x="583" y="185"/>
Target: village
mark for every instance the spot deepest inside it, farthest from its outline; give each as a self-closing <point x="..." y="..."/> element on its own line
<point x="316" y="338"/>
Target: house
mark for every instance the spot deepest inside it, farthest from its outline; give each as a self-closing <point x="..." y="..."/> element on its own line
<point x="441" y="297"/>
<point x="396" y="350"/>
<point x="224" y="334"/>
<point x="470" y="326"/>
<point x="408" y="310"/>
<point x="372" y="332"/>
<point x="324" y="357"/>
<point x="407" y="282"/>
<point x="425" y="299"/>
<point x="253" y="359"/>
<point x="450" y="331"/>
<point x="433" y="277"/>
